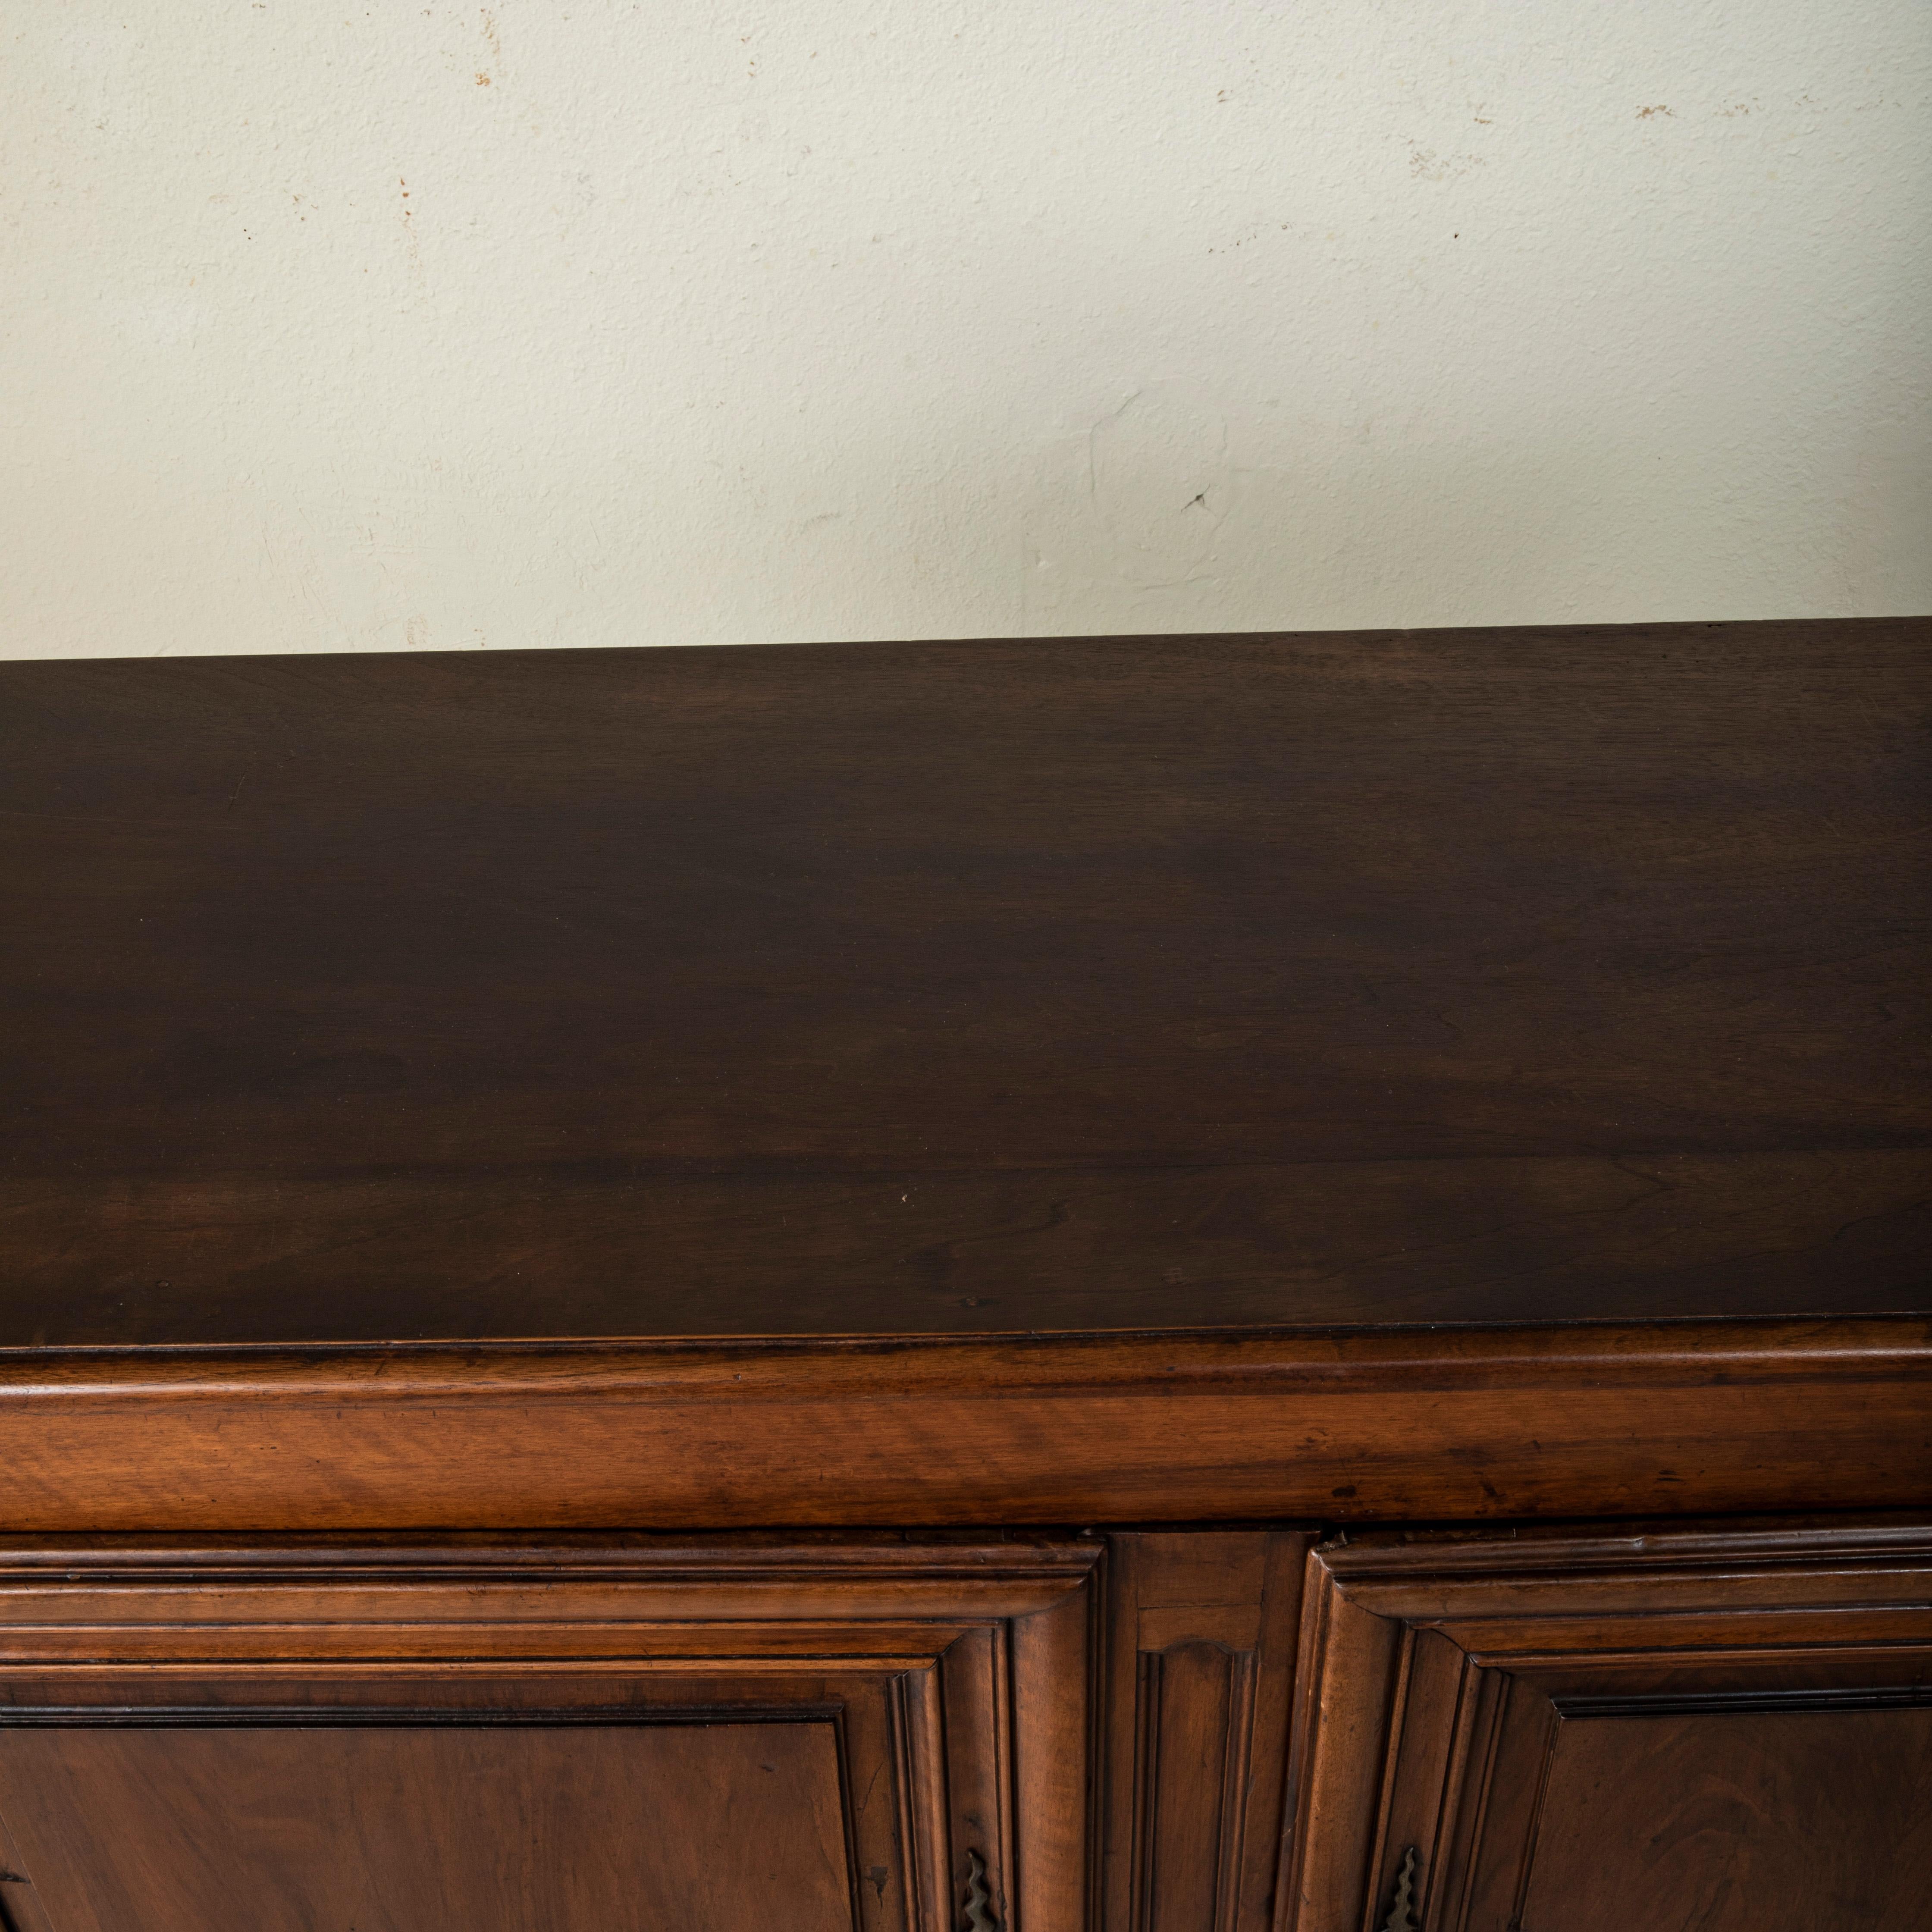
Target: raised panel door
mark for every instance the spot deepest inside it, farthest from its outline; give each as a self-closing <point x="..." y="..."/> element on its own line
<point x="407" y="1736"/>
<point x="1685" y="1729"/>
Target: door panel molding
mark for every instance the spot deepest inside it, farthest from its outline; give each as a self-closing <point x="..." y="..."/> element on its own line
<point x="954" y="1674"/>
<point x="1438" y="1671"/>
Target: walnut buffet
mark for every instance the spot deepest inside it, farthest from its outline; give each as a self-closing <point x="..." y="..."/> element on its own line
<point x="1251" y="1284"/>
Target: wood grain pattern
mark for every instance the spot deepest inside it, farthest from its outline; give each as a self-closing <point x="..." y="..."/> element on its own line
<point x="1596" y="1727"/>
<point x="1001" y="987"/>
<point x="931" y="1696"/>
<point x="498" y="1254"/>
<point x="398" y="1829"/>
<point x="1737" y="1822"/>
<point x="1671" y="1419"/>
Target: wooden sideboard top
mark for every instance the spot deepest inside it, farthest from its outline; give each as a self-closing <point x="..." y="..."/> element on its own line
<point x="1281" y="983"/>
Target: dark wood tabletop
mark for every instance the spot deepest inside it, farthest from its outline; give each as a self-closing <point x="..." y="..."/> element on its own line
<point x="1283" y="982"/>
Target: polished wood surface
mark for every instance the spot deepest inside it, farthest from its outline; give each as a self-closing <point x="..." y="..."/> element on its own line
<point x="235" y="1727"/>
<point x="401" y="1828"/>
<point x="1759" y="1821"/>
<point x="1677" y="1418"/>
<point x="1546" y="1729"/>
<point x="252" y="1259"/>
<point x="1487" y="976"/>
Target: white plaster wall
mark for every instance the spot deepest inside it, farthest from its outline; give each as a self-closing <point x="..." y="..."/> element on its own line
<point x="329" y="326"/>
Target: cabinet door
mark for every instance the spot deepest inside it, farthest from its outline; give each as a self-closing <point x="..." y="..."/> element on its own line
<point x="1728" y="1729"/>
<point x="888" y="1736"/>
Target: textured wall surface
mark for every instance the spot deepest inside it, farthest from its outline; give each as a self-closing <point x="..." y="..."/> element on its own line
<point x="336" y="326"/>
